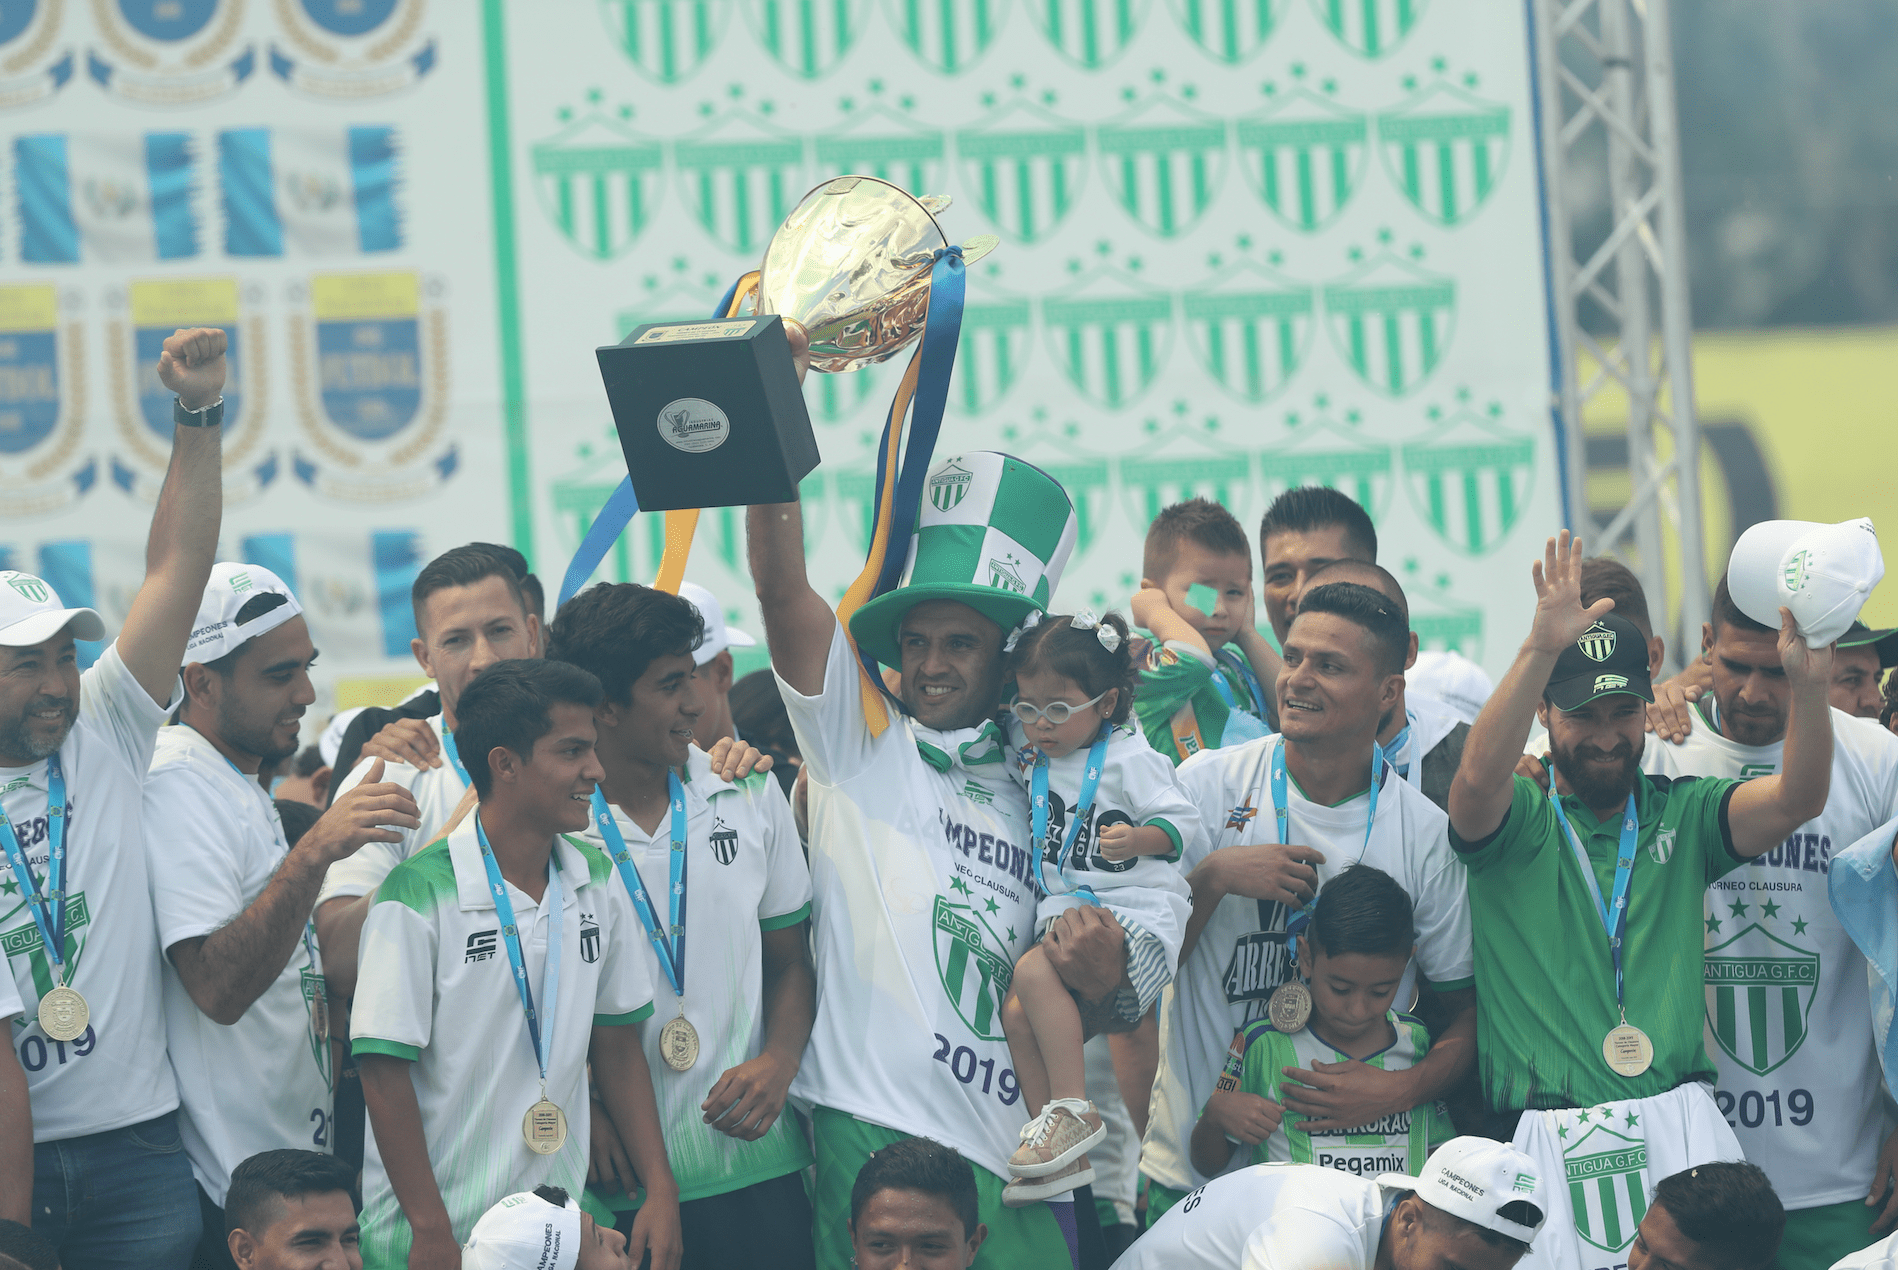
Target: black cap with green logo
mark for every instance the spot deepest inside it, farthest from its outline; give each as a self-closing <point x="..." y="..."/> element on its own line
<point x="1610" y="657"/>
<point x="1885" y="641"/>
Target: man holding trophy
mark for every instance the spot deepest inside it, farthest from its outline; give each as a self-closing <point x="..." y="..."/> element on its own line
<point x="923" y="894"/>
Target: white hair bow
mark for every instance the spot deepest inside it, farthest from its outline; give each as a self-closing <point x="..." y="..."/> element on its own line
<point x="1027" y="624"/>
<point x="1089" y="620"/>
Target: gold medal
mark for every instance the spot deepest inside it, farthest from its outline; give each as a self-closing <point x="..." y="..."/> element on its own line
<point x="1627" y="1050"/>
<point x="1290" y="1007"/>
<point x="64" y="1014"/>
<point x="679" y="1044"/>
<point x="544" y="1128"/>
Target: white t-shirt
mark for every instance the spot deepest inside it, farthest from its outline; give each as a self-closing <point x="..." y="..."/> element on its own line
<point x="437" y="792"/>
<point x="1882" y="1255"/>
<point x="1789" y="1012"/>
<point x="214" y="840"/>
<point x="1240" y="958"/>
<point x="436" y="987"/>
<point x="921" y="906"/>
<point x="1136" y="787"/>
<point x="744" y="873"/>
<point x="1429" y="721"/>
<point x="1268" y="1217"/>
<point x="114" y="1075"/>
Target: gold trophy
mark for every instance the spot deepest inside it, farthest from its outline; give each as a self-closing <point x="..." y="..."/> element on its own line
<point x="710" y="413"/>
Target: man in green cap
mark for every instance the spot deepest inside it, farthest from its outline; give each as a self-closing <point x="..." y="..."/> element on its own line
<point x="1858" y="663"/>
<point x="923" y="894"/>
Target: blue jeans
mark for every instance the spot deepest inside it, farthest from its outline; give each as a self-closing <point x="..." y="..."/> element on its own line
<point x="119" y="1200"/>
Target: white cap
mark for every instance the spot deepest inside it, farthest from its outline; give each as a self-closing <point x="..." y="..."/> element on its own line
<point x="330" y="743"/>
<point x="1823" y="573"/>
<point x="30" y="613"/>
<point x="524" y="1232"/>
<point x="1451" y="678"/>
<point x="232" y="586"/>
<point x="1473" y="1178"/>
<point x="718" y="636"/>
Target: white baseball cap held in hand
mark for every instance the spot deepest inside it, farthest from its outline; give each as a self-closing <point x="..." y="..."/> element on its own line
<point x="1822" y="573"/>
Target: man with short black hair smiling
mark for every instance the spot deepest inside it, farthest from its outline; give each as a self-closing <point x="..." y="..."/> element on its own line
<point x="292" y="1210"/>
<point x="1720" y="1216"/>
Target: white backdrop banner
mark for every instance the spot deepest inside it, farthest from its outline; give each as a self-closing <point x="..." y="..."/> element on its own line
<point x="1246" y="245"/>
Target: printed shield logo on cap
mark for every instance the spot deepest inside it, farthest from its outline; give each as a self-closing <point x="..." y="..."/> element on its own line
<point x="1794" y="574"/>
<point x="1608" y="683"/>
<point x="35" y="591"/>
<point x="949" y="487"/>
<point x="1597" y="643"/>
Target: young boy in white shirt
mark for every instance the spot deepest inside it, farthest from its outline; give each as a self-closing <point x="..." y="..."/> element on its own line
<point x="494" y="964"/>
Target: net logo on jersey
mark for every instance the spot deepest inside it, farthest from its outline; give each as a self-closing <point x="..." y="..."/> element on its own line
<point x="1597" y="643"/>
<point x="1608" y="1183"/>
<point x="481" y="946"/>
<point x="1758" y="1005"/>
<point x="973" y="974"/>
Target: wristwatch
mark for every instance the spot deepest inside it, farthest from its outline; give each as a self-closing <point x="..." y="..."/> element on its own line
<point x="210" y="417"/>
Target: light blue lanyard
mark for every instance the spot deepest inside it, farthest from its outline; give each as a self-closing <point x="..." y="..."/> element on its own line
<point x="668" y="942"/>
<point x="454" y="757"/>
<point x="1244" y="671"/>
<point x="1281" y="807"/>
<point x="1083" y="808"/>
<point x="49" y="913"/>
<point x="1615" y="920"/>
<point x="551" y="902"/>
<point x="1397" y="745"/>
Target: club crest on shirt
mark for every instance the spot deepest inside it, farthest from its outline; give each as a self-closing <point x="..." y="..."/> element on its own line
<point x="25" y="940"/>
<point x="724" y="841"/>
<point x="589" y="939"/>
<point x="972" y="972"/>
<point x="978" y="793"/>
<point x="1663" y="846"/>
<point x="1608" y="1179"/>
<point x="1758" y="1006"/>
<point x="316" y="1004"/>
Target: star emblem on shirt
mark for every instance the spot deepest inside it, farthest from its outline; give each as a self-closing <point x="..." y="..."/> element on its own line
<point x="1769" y="909"/>
<point x="1739" y="909"/>
<point x="1582" y="1118"/>
<point x="959" y="886"/>
<point x="1713" y="924"/>
<point x="1241" y="816"/>
<point x="1799" y="925"/>
<point x="1633" y="1119"/>
<point x="1562" y="1132"/>
<point x="993" y="907"/>
<point x="10" y="887"/>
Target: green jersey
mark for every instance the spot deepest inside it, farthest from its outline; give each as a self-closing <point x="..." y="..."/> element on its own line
<point x="1545" y="983"/>
<point x="1181" y="708"/>
<point x="1398" y="1143"/>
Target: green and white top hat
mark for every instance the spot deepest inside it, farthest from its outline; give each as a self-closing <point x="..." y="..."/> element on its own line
<point x="993" y="532"/>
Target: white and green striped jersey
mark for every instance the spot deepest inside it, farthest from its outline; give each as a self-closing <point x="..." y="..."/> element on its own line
<point x="1789" y="1012"/>
<point x="436" y="988"/>
<point x="745" y="874"/>
<point x="1399" y="1143"/>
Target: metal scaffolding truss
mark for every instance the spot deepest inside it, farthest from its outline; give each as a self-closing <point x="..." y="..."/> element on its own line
<point x="1605" y="88"/>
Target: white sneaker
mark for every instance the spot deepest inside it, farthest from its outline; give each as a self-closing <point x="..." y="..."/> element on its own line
<point x="1063" y="1132"/>
<point x="1024" y="1191"/>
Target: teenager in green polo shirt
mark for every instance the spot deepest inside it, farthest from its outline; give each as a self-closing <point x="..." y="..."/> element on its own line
<point x="1594" y="1043"/>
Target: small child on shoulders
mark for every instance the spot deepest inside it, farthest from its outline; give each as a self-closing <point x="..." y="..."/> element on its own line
<point x="1108" y="823"/>
<point x="1206" y="680"/>
<point x="1353" y="952"/>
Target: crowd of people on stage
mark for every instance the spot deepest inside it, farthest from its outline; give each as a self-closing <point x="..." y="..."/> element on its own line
<point x="981" y="929"/>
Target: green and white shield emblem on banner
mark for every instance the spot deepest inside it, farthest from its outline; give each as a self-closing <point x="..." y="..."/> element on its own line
<point x="1607" y="1183"/>
<point x="991" y="352"/>
<point x="1183" y="465"/>
<point x="1086" y="481"/>
<point x="1470" y="480"/>
<point x="948" y="35"/>
<point x="808" y="37"/>
<point x="1089" y="33"/>
<point x="1369" y="28"/>
<point x="1165" y="163"/>
<point x="1026" y="166"/>
<point x="741" y="176"/>
<point x="879" y="142"/>
<point x="1110" y="334"/>
<point x="599" y="182"/>
<point x="1249" y="328"/>
<point x="1442" y="621"/>
<point x="1231" y="30"/>
<point x="1304" y="156"/>
<point x="1445" y="149"/>
<point x="1758" y="1003"/>
<point x="666" y="39"/>
<point x="973" y="973"/>
<point x="1324" y="452"/>
<point x="1391" y="321"/>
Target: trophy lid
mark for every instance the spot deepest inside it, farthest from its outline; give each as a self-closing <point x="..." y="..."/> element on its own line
<point x="851" y="265"/>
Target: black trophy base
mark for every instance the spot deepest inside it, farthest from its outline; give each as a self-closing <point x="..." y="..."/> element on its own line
<point x="709" y="414"/>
